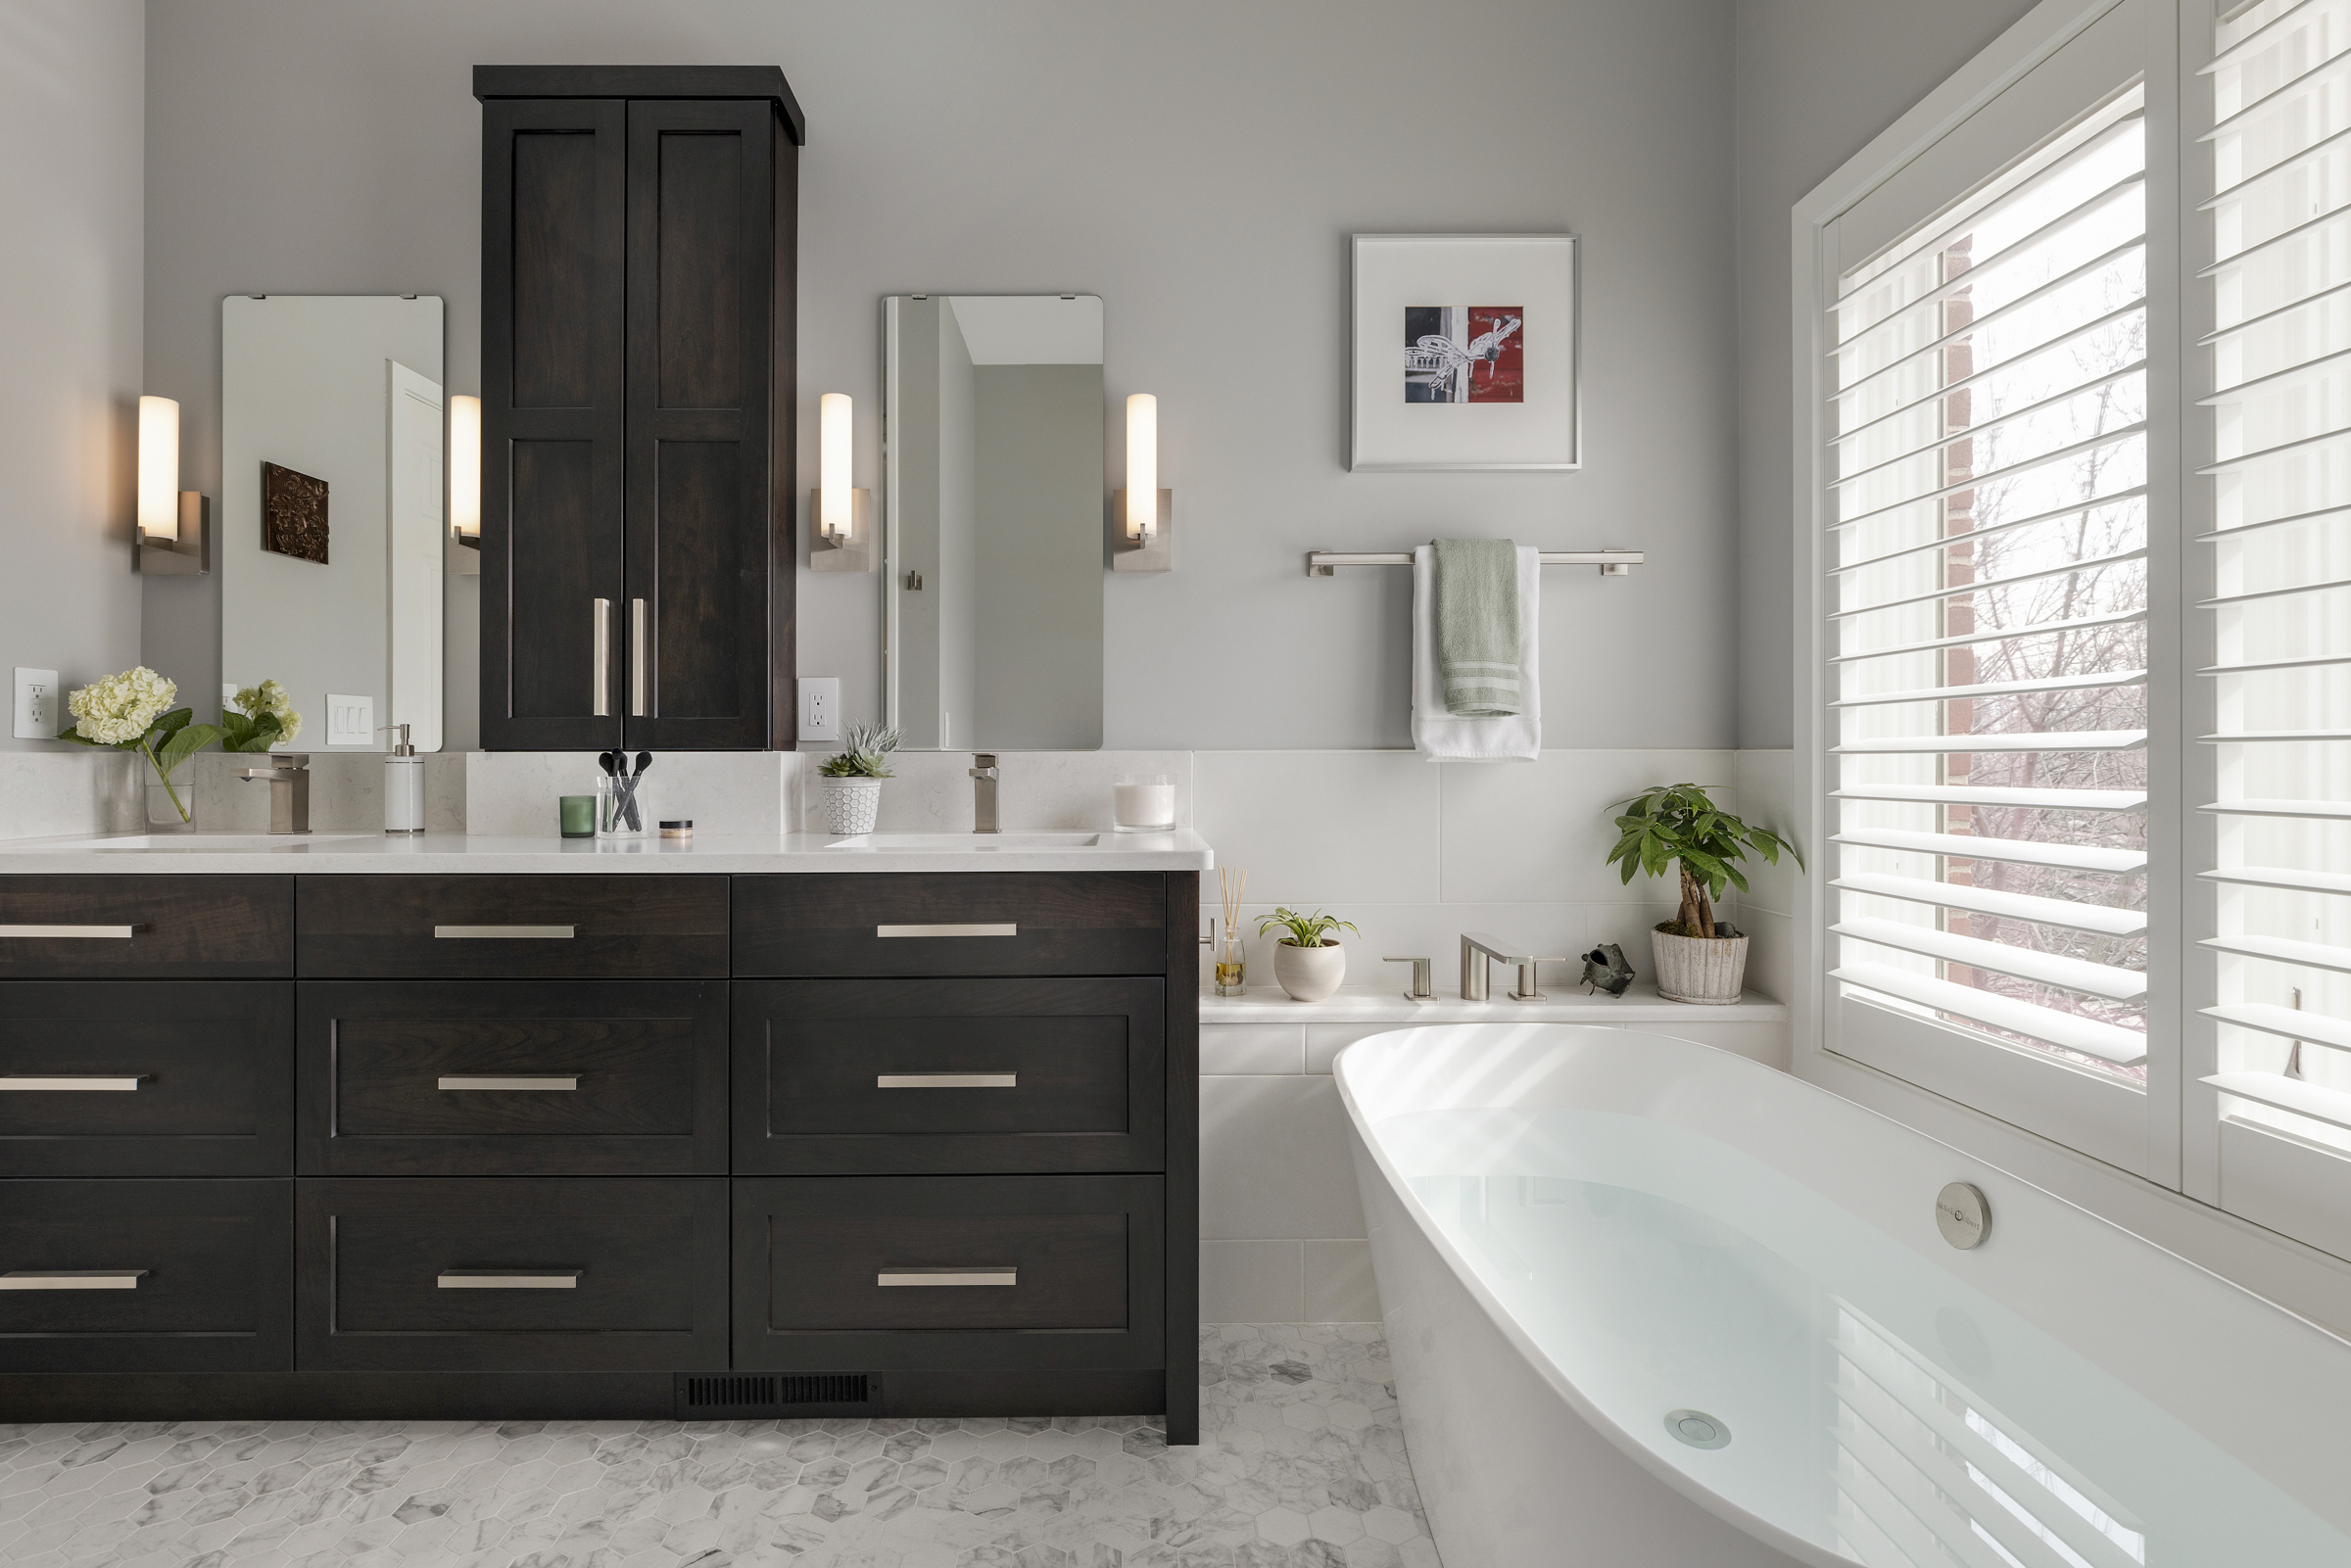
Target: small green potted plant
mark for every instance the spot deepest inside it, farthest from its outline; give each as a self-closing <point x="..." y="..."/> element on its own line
<point x="1700" y="959"/>
<point x="131" y="711"/>
<point x="853" y="777"/>
<point x="1306" y="961"/>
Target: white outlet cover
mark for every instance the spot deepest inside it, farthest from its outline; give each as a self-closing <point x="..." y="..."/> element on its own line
<point x="40" y="706"/>
<point x="820" y="708"/>
<point x="349" y="720"/>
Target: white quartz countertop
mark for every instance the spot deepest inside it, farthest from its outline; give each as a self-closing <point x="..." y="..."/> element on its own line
<point x="365" y="854"/>
<point x="1562" y="1002"/>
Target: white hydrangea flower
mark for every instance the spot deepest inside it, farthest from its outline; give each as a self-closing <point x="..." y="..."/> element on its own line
<point x="272" y="700"/>
<point x="121" y="707"/>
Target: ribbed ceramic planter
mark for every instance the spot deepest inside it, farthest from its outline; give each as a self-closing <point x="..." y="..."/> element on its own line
<point x="1310" y="973"/>
<point x="850" y="805"/>
<point x="1707" y="970"/>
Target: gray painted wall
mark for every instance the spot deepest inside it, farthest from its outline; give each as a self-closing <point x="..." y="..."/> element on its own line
<point x="73" y="73"/>
<point x="1816" y="80"/>
<point x="1199" y="166"/>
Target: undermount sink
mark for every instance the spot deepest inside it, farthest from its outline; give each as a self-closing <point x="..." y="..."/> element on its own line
<point x="192" y="843"/>
<point x="968" y="843"/>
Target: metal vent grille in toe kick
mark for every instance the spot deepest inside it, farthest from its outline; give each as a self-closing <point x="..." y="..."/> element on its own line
<point x="734" y="1396"/>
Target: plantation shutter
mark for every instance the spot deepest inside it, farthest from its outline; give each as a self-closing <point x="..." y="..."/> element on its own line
<point x="2276" y="765"/>
<point x="1986" y="517"/>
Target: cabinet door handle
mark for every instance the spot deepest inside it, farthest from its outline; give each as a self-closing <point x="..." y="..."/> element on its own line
<point x="509" y="1279"/>
<point x="947" y="930"/>
<point x="71" y="932"/>
<point x="601" y="686"/>
<point x="637" y="657"/>
<point x="71" y="1278"/>
<point x="496" y="933"/>
<point x="948" y="1277"/>
<point x="73" y="1085"/>
<point x="511" y="1083"/>
<point x="948" y="1080"/>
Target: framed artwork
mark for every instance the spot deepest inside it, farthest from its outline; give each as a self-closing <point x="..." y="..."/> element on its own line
<point x="1467" y="350"/>
<point x="293" y="513"/>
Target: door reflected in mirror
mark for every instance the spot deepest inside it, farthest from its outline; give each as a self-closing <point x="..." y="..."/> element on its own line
<point x="994" y="410"/>
<point x="330" y="533"/>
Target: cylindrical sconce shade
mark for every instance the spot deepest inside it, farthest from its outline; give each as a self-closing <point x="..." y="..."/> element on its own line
<point x="159" y="467"/>
<point x="833" y="502"/>
<point x="1142" y="465"/>
<point x="465" y="467"/>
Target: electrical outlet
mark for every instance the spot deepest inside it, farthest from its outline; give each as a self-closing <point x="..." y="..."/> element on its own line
<point x="820" y="708"/>
<point x="38" y="705"/>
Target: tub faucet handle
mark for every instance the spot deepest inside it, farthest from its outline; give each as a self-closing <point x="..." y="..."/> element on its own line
<point x="1422" y="990"/>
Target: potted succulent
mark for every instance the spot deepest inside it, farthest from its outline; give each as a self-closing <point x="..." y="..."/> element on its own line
<point x="131" y="711"/>
<point x="853" y="779"/>
<point x="1700" y="959"/>
<point x="1306" y="961"/>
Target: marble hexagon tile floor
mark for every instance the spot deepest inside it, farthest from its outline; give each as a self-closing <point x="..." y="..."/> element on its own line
<point x="1301" y="1465"/>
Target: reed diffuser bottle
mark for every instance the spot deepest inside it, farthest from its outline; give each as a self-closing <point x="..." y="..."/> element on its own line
<point x="1232" y="960"/>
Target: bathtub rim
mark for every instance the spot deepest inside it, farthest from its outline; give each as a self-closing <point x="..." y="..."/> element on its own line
<point x="1681" y="1481"/>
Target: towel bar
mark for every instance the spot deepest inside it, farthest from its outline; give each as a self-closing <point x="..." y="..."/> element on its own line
<point x="1611" y="562"/>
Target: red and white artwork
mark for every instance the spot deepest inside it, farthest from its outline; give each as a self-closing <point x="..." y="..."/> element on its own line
<point x="1464" y="353"/>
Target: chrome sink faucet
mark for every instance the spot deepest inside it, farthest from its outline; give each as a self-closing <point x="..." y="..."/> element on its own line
<point x="1479" y="952"/>
<point x="983" y="792"/>
<point x="289" y="778"/>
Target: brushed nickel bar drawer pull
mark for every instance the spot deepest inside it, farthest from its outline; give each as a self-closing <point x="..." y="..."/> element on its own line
<point x="599" y="689"/>
<point x="947" y="930"/>
<point x="71" y="1278"/>
<point x="948" y="1080"/>
<point x="509" y="1279"/>
<point x="948" y="1277"/>
<point x="73" y="933"/>
<point x="499" y="933"/>
<point x="572" y="1082"/>
<point x="73" y="1085"/>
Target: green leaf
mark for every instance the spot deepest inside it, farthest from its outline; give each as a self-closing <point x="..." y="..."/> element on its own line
<point x="169" y="724"/>
<point x="186" y="741"/>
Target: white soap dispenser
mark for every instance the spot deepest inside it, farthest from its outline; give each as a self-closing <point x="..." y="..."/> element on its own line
<point x="404" y="787"/>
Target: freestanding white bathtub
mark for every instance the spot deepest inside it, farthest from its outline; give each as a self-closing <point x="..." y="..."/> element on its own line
<point x="1597" y="1250"/>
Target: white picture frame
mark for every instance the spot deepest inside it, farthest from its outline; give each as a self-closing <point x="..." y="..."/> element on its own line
<point x="1449" y="405"/>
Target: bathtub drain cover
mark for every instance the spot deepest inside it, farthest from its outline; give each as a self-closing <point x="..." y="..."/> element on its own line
<point x="1698" y="1429"/>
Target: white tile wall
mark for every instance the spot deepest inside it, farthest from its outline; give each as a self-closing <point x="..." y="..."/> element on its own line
<point x="72" y="789"/>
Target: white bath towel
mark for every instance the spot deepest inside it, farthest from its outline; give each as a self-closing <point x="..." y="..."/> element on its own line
<point x="1438" y="734"/>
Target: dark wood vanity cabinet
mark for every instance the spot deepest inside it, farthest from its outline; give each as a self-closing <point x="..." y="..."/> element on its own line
<point x="598" y="1145"/>
<point x="639" y="312"/>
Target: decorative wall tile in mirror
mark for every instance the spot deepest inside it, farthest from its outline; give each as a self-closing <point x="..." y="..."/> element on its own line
<point x="333" y="397"/>
<point x="993" y="430"/>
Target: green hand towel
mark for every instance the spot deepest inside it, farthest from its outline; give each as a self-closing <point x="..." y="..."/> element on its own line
<point x="1477" y="626"/>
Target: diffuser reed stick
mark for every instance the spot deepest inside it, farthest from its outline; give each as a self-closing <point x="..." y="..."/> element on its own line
<point x="1232" y="970"/>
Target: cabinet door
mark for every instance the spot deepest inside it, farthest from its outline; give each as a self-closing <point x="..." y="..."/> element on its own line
<point x="553" y="243"/>
<point x="702" y="316"/>
<point x="894" y="1076"/>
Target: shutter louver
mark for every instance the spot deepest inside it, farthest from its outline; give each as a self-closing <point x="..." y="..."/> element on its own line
<point x="1987" y="493"/>
<point x="2278" y="761"/>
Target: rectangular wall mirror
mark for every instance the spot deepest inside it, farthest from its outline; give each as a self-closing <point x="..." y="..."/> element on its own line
<point x="330" y="534"/>
<point x="993" y="504"/>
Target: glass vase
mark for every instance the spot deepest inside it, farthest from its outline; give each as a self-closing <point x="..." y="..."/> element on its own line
<point x="164" y="814"/>
<point x="1231" y="966"/>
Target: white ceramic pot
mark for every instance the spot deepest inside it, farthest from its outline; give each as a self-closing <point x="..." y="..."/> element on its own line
<point x="1310" y="973"/>
<point x="850" y="805"/>
<point x="1707" y="970"/>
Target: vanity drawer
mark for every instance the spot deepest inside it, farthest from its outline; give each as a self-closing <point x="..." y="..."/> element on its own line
<point x="486" y="1274"/>
<point x="513" y="928"/>
<point x="518" y="1078"/>
<point x="146" y="1078"/>
<point x="865" y="1274"/>
<point x="158" y="927"/>
<point x="908" y="1076"/>
<point x="145" y="1276"/>
<point x="952" y="923"/>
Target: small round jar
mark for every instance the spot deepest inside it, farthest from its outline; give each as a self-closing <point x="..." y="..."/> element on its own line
<point x="1144" y="803"/>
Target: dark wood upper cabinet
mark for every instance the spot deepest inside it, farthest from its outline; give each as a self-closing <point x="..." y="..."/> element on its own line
<point x="639" y="293"/>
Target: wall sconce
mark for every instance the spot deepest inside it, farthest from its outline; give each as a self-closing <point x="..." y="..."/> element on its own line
<point x="1142" y="515"/>
<point x="843" y="539"/>
<point x="175" y="525"/>
<point x="465" y="486"/>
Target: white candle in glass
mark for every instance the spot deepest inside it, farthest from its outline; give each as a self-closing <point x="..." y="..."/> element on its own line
<point x="1144" y="803"/>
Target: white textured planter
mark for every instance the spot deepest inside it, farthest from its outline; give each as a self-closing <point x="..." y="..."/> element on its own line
<point x="1707" y="970"/>
<point x="1310" y="973"/>
<point x="850" y="805"/>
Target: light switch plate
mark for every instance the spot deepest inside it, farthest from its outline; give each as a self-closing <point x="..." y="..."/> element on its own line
<point x="820" y="708"/>
<point x="350" y="720"/>
<point x="39" y="705"/>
